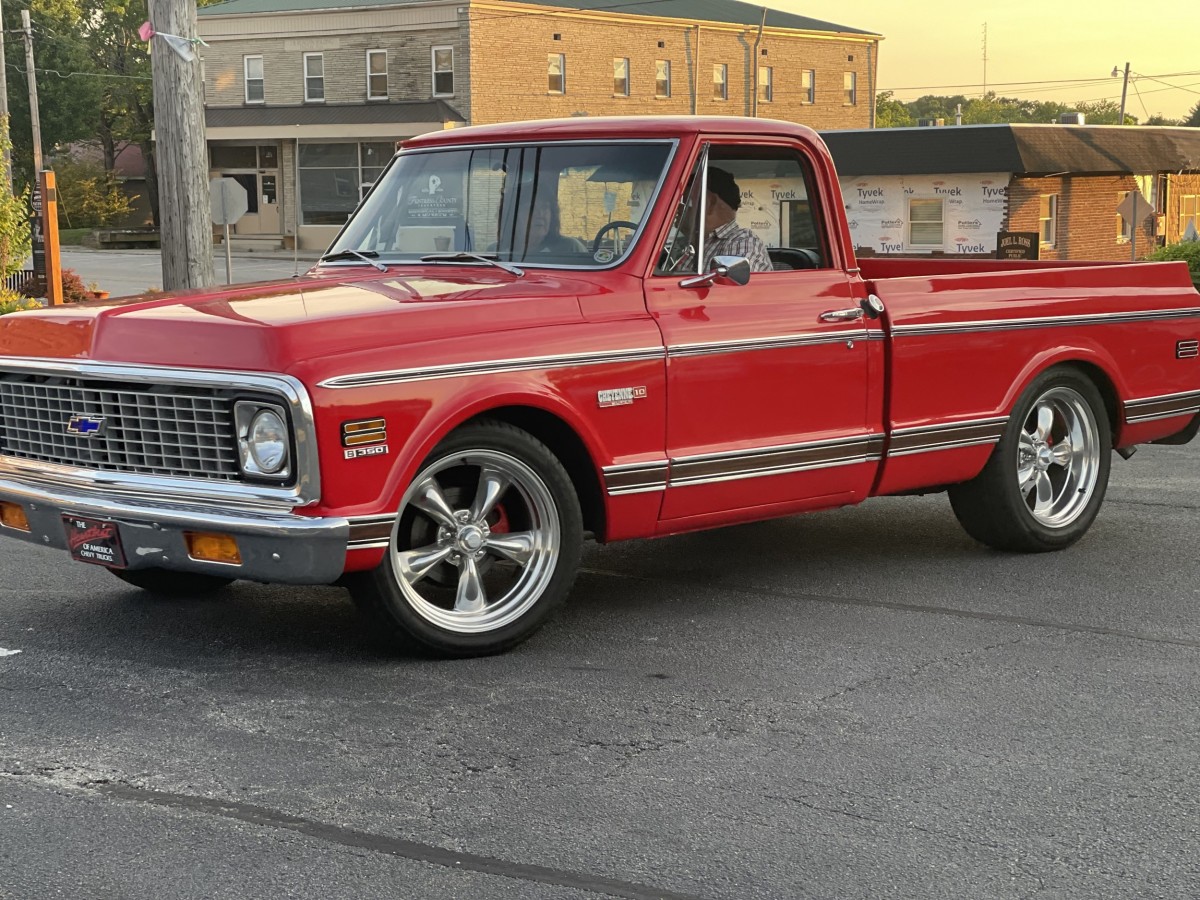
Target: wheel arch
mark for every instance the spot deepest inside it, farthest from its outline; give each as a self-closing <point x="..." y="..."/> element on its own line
<point x="566" y="444"/>
<point x="1092" y="363"/>
<point x="546" y="417"/>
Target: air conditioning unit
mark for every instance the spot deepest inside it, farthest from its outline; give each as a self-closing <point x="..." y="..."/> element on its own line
<point x="930" y="123"/>
<point x="1071" y="118"/>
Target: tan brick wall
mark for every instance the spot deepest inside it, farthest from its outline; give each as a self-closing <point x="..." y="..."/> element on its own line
<point x="509" y="79"/>
<point x="1085" y="230"/>
<point x="345" y="58"/>
<point x="1178" y="186"/>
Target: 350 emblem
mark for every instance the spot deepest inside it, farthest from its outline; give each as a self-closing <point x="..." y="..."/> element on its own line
<point x="374" y="450"/>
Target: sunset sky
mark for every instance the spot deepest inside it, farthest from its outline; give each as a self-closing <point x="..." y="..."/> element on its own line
<point x="931" y="45"/>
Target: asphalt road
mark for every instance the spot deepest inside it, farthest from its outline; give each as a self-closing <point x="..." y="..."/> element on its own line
<point x="856" y="704"/>
<point x="124" y="272"/>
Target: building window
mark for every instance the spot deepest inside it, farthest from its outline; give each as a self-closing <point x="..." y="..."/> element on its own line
<point x="662" y="78"/>
<point x="333" y="177"/>
<point x="850" y="88"/>
<point x="621" y="76"/>
<point x="1123" y="230"/>
<point x="1189" y="210"/>
<point x="1048" y="219"/>
<point x="556" y="73"/>
<point x="314" y="77"/>
<point x="377" y="85"/>
<point x="720" y="82"/>
<point x="925" y="223"/>
<point x="253" y="66"/>
<point x="443" y="71"/>
<point x="808" y="85"/>
<point x="765" y="86"/>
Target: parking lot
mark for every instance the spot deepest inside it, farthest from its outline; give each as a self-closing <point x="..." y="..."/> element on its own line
<point x="860" y="703"/>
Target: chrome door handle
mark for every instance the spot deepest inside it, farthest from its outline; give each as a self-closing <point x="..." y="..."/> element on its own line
<point x="842" y="315"/>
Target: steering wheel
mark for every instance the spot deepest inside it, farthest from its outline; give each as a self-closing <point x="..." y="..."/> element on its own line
<point x="605" y="229"/>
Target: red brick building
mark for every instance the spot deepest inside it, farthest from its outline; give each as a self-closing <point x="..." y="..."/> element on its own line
<point x="304" y="99"/>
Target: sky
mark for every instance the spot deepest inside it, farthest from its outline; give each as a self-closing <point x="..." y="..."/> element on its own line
<point x="931" y="45"/>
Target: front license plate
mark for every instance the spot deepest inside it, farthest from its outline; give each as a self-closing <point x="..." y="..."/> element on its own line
<point x="94" y="541"/>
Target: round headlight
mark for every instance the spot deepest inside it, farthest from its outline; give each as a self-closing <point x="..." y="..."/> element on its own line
<point x="268" y="441"/>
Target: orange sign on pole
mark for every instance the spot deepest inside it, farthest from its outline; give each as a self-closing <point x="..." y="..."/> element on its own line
<point x="54" y="293"/>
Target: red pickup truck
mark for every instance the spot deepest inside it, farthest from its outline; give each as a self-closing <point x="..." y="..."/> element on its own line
<point x="534" y="332"/>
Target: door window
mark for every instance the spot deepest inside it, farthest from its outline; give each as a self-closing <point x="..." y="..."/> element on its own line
<point x="767" y="203"/>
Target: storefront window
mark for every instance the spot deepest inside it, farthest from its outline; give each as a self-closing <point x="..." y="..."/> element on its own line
<point x="333" y="177"/>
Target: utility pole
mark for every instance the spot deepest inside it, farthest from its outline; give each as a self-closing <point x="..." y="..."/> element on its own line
<point x="33" y="100"/>
<point x="180" y="152"/>
<point x="985" y="57"/>
<point x="4" y="110"/>
<point x="1124" y="91"/>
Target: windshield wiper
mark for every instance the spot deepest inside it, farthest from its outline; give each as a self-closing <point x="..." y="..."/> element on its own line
<point x="367" y="256"/>
<point x="473" y="257"/>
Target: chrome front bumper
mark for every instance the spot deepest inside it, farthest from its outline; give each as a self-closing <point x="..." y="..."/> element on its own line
<point x="275" y="546"/>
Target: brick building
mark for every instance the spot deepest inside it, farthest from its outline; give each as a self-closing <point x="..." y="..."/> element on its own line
<point x="951" y="190"/>
<point x="305" y="99"/>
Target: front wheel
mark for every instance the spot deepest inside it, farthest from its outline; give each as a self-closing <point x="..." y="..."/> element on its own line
<point x="486" y="542"/>
<point x="1045" y="481"/>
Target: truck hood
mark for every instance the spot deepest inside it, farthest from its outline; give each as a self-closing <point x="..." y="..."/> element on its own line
<point x="270" y="326"/>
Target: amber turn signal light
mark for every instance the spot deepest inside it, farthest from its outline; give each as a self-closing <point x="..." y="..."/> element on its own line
<point x="221" y="548"/>
<point x="13" y="515"/>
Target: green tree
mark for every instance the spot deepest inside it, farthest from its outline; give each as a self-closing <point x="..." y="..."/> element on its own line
<point x="88" y="195"/>
<point x="15" y="237"/>
<point x="1193" y="119"/>
<point x="890" y="113"/>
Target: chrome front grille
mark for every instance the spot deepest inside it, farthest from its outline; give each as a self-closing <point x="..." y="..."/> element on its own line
<point x="140" y="428"/>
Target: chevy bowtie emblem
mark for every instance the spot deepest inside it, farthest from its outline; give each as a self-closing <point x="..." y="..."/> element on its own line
<point x="85" y="425"/>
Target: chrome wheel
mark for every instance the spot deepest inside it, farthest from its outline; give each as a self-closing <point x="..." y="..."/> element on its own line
<point x="1058" y="457"/>
<point x="476" y="541"/>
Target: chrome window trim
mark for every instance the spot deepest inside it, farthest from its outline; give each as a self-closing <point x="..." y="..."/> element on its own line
<point x="982" y="325"/>
<point x="306" y="491"/>
<point x="491" y="367"/>
<point x="673" y="143"/>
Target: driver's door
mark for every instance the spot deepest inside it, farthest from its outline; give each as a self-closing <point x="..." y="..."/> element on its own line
<point x="768" y="396"/>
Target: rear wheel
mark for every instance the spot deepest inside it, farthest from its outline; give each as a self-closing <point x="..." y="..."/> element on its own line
<point x="486" y="542"/>
<point x="172" y="584"/>
<point x="1046" y="479"/>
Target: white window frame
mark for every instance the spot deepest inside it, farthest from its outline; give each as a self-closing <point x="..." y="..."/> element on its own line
<point x="723" y="70"/>
<point x="246" y="79"/>
<point x="809" y="91"/>
<point x="623" y="63"/>
<point x="850" y="89"/>
<point x="434" y="71"/>
<point x="1048" y="224"/>
<point x="766" y="86"/>
<point x="665" y="65"/>
<point x="562" y="73"/>
<point x="371" y="54"/>
<point x="941" y="221"/>
<point x="307" y="77"/>
<point x="1123" y="230"/>
<point x="1184" y="218"/>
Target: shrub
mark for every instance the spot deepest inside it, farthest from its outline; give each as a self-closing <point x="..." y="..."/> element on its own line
<point x="73" y="288"/>
<point x="1188" y="251"/>
<point x="11" y="302"/>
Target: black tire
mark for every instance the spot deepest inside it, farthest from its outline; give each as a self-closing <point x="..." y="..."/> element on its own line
<point x="498" y="574"/>
<point x="1027" y="499"/>
<point x="167" y="583"/>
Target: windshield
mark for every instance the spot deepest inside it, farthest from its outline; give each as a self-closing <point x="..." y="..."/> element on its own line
<point x="579" y="205"/>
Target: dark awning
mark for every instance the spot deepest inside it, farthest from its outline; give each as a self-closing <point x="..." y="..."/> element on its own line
<point x="1018" y="149"/>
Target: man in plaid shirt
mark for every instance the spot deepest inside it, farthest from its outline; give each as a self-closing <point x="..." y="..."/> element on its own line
<point x="722" y="236"/>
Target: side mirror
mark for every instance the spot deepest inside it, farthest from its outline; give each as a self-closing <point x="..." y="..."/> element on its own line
<point x="733" y="268"/>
